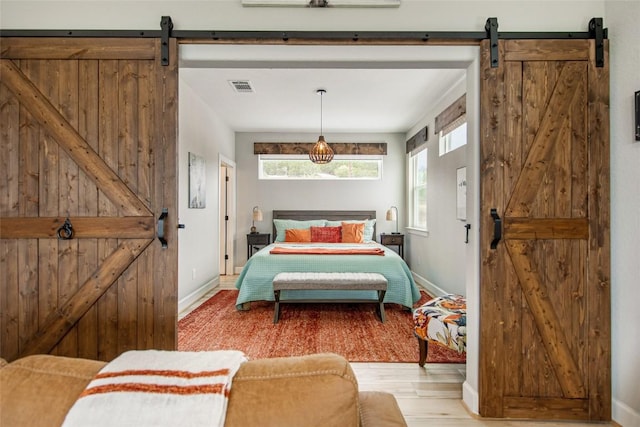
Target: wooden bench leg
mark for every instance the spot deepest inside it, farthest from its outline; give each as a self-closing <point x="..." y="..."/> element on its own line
<point x="276" y="310"/>
<point x="381" y="305"/>
<point x="424" y="348"/>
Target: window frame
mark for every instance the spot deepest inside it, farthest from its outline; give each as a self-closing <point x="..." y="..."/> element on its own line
<point x="414" y="198"/>
<point x="379" y="159"/>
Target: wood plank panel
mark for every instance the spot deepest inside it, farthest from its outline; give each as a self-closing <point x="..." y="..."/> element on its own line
<point x="88" y="248"/>
<point x="547" y="323"/>
<point x="546" y="408"/>
<point x="492" y="129"/>
<point x="69" y="139"/>
<point x="546" y="50"/>
<point x="29" y="207"/>
<point x="538" y="158"/>
<point x="62" y="320"/>
<point x="68" y="197"/>
<point x="136" y="227"/>
<point x="9" y="201"/>
<point x="599" y="271"/>
<point x="546" y="228"/>
<point x="512" y="303"/>
<point x="128" y="172"/>
<point x="9" y="300"/>
<point x="165" y="260"/>
<point x="146" y="177"/>
<point x="77" y="48"/>
<point x="108" y="150"/>
<point x="49" y="158"/>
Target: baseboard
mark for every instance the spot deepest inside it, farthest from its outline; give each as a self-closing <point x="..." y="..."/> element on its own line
<point x="470" y="398"/>
<point x="238" y="270"/>
<point x="623" y="414"/>
<point x="194" y="296"/>
<point x="430" y="287"/>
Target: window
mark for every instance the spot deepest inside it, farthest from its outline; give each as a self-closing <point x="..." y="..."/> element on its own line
<point x="452" y="139"/>
<point x="418" y="196"/>
<point x="285" y="167"/>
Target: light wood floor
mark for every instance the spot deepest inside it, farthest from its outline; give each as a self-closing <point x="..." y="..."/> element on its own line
<point x="428" y="397"/>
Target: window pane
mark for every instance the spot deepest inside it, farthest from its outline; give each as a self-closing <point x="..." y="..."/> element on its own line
<point x="454" y="139"/>
<point x="419" y="190"/>
<point x="294" y="167"/>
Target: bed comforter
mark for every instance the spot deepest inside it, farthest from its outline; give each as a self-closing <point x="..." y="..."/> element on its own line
<point x="255" y="280"/>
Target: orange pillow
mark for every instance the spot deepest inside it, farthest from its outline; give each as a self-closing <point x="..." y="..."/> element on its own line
<point x="297" y="235"/>
<point x="352" y="232"/>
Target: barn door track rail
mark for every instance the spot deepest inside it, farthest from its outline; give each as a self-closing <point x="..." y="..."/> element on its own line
<point x="595" y="31"/>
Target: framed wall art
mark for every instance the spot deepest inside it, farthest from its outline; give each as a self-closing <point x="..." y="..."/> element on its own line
<point x="197" y="188"/>
<point x="461" y="193"/>
<point x="638" y="115"/>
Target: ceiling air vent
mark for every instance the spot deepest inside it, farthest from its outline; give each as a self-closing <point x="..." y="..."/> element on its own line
<point x="241" y="86"/>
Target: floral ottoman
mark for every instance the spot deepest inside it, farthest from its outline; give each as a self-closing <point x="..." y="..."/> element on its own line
<point x="441" y="321"/>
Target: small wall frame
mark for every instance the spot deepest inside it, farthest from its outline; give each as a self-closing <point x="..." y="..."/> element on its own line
<point x="461" y="194"/>
<point x="637" y="97"/>
<point x="197" y="188"/>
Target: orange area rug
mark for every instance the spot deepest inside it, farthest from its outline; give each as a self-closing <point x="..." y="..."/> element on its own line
<point x="351" y="330"/>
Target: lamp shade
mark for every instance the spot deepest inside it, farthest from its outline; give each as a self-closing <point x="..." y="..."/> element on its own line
<point x="321" y="152"/>
<point x="257" y="214"/>
<point x="392" y="214"/>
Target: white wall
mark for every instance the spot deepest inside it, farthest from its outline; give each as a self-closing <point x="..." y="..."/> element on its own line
<point x="376" y="195"/>
<point x="622" y="18"/>
<point x="202" y="133"/>
<point x="431" y="15"/>
<point x="435" y="257"/>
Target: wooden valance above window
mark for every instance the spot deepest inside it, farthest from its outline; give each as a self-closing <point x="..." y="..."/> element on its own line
<point x="418" y="140"/>
<point x="452" y="117"/>
<point x="339" y="148"/>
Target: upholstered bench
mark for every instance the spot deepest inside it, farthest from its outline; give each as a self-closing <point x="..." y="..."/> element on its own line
<point x="329" y="281"/>
<point x="441" y="321"/>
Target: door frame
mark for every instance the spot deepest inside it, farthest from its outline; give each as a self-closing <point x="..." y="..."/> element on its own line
<point x="409" y="38"/>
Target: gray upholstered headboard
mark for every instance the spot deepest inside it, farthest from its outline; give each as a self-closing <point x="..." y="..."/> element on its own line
<point x="330" y="215"/>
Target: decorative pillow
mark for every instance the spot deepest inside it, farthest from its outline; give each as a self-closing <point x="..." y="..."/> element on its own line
<point x="283" y="224"/>
<point x="326" y="234"/>
<point x="297" y="235"/>
<point x="368" y="227"/>
<point x="352" y="232"/>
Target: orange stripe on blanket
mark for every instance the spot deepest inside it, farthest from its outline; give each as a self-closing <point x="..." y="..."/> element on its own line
<point x="156" y="388"/>
<point x="163" y="373"/>
<point x="326" y="251"/>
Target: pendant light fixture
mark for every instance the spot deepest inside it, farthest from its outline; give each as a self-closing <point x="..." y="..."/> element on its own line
<point x="321" y="153"/>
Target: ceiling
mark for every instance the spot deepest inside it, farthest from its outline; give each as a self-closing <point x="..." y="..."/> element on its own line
<point x="367" y="90"/>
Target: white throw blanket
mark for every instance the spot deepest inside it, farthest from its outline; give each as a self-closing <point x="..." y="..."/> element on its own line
<point x="158" y="388"/>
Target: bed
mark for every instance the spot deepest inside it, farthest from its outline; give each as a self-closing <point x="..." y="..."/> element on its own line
<point x="255" y="280"/>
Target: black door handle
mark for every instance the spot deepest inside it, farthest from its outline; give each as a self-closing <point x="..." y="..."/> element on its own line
<point x="467" y="227"/>
<point x="160" y="227"/>
<point x="497" y="228"/>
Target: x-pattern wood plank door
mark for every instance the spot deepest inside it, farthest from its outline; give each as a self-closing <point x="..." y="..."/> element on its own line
<point x="88" y="132"/>
<point x="544" y="297"/>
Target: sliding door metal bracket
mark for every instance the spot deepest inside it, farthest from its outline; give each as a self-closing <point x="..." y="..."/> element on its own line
<point x="166" y="24"/>
<point x="491" y="27"/>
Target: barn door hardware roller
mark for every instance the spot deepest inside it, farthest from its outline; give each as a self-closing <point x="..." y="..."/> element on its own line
<point x="166" y="25"/>
<point x="599" y="33"/>
<point x="491" y="27"/>
<point x="497" y="228"/>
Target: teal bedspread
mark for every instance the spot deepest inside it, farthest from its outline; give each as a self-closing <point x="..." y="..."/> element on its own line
<point x="255" y="280"/>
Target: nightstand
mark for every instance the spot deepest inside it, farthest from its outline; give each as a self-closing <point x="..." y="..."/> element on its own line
<point x="393" y="240"/>
<point x="254" y="240"/>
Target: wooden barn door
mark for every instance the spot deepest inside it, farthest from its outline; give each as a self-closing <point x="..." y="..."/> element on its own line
<point x="88" y="134"/>
<point x="544" y="297"/>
